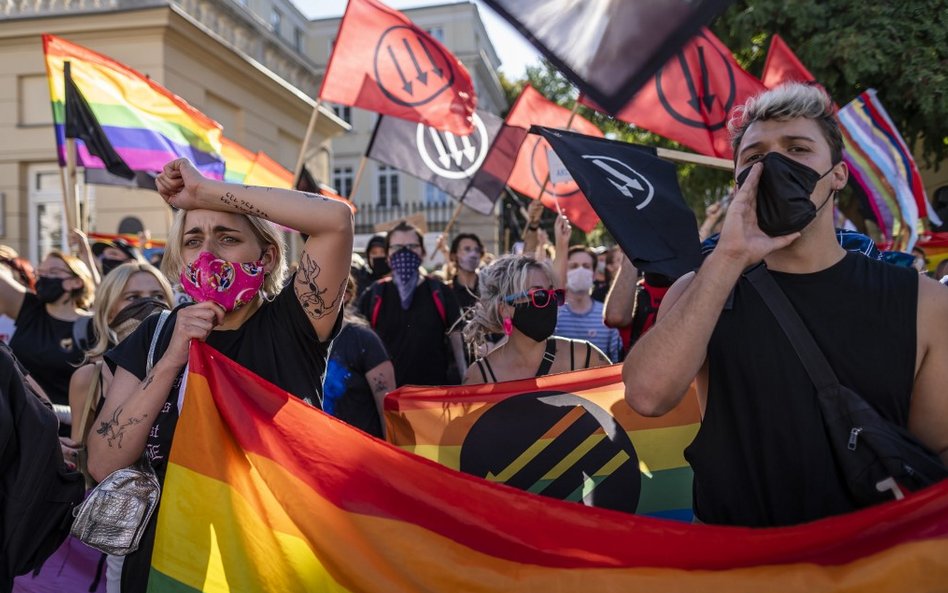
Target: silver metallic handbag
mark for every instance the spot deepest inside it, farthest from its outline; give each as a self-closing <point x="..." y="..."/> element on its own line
<point x="114" y="515"/>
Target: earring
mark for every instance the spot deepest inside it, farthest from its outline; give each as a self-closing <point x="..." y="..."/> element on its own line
<point x="508" y="326"/>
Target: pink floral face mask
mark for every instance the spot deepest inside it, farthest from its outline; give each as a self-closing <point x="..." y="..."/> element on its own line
<point x="229" y="284"/>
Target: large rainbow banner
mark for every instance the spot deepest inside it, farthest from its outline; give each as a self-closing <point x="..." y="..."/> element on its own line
<point x="569" y="436"/>
<point x="264" y="493"/>
<point x="146" y="124"/>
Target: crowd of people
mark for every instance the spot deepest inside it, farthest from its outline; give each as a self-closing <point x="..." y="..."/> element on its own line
<point x="92" y="331"/>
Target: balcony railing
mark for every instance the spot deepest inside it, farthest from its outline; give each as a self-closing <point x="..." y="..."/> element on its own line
<point x="436" y="215"/>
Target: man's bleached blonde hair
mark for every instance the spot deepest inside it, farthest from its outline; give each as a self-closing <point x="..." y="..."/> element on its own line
<point x="265" y="232"/>
<point x="784" y="103"/>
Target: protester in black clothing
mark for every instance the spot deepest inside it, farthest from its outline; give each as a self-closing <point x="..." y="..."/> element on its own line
<point x="113" y="253"/>
<point x="375" y="266"/>
<point x="762" y="456"/>
<point x="359" y="373"/>
<point x="45" y="339"/>
<point x="413" y="314"/>
<point x="228" y="253"/>
<point x="465" y="254"/>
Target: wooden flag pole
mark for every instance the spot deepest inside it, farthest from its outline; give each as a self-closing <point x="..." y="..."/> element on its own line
<point x="453" y="219"/>
<point x="357" y="180"/>
<point x="69" y="197"/>
<point x="696" y="159"/>
<point x="298" y="169"/>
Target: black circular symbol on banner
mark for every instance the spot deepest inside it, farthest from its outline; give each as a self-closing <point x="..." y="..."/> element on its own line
<point x="601" y="467"/>
<point x="410" y="69"/>
<point x="537" y="156"/>
<point x="701" y="108"/>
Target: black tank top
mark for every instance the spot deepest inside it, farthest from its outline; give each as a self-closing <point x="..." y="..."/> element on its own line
<point x="761" y="457"/>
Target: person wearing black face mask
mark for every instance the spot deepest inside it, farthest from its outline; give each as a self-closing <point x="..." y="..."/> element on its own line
<point x="518" y="299"/>
<point x="113" y="253"/>
<point x="375" y="266"/>
<point x="45" y="341"/>
<point x="762" y="456"/>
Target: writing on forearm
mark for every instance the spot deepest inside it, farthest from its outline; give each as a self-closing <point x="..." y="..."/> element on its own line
<point x="113" y="430"/>
<point x="243" y="206"/>
<point x="316" y="302"/>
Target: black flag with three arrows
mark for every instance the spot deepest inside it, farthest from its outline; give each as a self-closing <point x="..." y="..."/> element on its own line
<point x="443" y="159"/>
<point x="636" y="194"/>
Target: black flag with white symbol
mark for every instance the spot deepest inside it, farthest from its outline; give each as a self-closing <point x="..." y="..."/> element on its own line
<point x="608" y="48"/>
<point x="443" y="159"/>
<point x="636" y="195"/>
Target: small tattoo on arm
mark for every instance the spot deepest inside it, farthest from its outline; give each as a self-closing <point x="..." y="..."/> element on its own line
<point x="147" y="381"/>
<point x="113" y="430"/>
<point x="312" y="297"/>
<point x="243" y="206"/>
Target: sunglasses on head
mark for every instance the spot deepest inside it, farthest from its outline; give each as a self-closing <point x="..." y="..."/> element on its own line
<point x="540" y="297"/>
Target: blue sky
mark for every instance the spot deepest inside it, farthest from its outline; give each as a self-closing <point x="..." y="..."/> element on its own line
<point x="514" y="51"/>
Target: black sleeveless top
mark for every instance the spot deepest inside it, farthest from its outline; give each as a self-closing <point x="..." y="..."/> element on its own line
<point x="761" y="457"/>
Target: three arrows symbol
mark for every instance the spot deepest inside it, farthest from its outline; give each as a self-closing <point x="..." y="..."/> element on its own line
<point x="445" y="155"/>
<point x="421" y="75"/>
<point x="705" y="97"/>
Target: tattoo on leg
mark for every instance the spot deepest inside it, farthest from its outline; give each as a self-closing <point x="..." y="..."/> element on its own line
<point x="114" y="431"/>
<point x="310" y="294"/>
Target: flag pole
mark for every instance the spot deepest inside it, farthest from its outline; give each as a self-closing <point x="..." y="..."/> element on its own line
<point x="357" y="180"/>
<point x="453" y="219"/>
<point x="695" y="159"/>
<point x="69" y="198"/>
<point x="298" y="169"/>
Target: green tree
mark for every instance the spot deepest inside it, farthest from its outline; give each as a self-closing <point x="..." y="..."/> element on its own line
<point x="898" y="48"/>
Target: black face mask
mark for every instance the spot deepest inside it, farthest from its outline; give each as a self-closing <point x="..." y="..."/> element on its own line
<point x="380" y="266"/>
<point x="49" y="289"/>
<point x="783" y="194"/>
<point x="109" y="264"/>
<point x="534" y="322"/>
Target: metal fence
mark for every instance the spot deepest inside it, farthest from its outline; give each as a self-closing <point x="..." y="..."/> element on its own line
<point x="437" y="215"/>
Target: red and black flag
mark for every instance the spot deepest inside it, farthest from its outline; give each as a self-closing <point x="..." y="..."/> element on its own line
<point x="608" y="48"/>
<point x="637" y="196"/>
<point x="783" y="65"/>
<point x="383" y="62"/>
<point x="691" y="97"/>
<point x="530" y="174"/>
<point x="443" y="159"/>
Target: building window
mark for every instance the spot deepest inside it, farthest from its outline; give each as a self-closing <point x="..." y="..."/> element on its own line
<point x="342" y="180"/>
<point x="298" y="39"/>
<point x="388" y="186"/>
<point x="435" y="195"/>
<point x="276" y="20"/>
<point x="437" y="33"/>
<point x="343" y="112"/>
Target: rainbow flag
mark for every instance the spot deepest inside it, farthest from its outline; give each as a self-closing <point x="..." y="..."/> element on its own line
<point x="237" y="160"/>
<point x="883" y="165"/>
<point x="146" y="123"/>
<point x="569" y="436"/>
<point x="264" y="493"/>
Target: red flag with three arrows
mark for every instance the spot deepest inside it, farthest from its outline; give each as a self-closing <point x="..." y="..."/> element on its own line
<point x="383" y="62"/>
<point x="532" y="167"/>
<point x="691" y="98"/>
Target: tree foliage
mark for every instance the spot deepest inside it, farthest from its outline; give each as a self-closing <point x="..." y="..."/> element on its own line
<point x="898" y="48"/>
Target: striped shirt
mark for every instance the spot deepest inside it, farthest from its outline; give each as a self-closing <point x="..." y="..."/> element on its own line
<point x="589" y="326"/>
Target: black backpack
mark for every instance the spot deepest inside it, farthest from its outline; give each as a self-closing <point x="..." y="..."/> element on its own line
<point x="37" y="491"/>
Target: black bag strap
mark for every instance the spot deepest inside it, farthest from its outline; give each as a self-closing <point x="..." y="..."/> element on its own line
<point x="815" y="363"/>
<point x="549" y="355"/>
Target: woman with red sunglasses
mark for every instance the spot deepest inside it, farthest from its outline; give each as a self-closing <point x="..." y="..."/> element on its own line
<point x="518" y="299"/>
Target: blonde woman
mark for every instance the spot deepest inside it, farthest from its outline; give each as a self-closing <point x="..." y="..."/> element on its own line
<point x="119" y="309"/>
<point x="229" y="256"/>
<point x="45" y="342"/>
<point x="518" y="298"/>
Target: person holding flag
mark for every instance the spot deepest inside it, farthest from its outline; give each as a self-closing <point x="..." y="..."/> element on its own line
<point x="228" y="253"/>
<point x="763" y="456"/>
